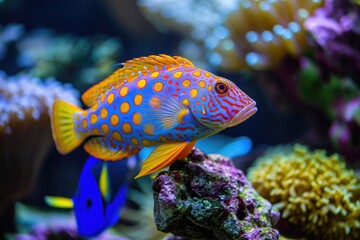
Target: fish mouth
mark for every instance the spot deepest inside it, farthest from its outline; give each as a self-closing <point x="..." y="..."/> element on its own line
<point x="244" y="114"/>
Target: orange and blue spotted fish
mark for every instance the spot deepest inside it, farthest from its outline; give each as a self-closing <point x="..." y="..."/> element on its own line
<point x="159" y="101"/>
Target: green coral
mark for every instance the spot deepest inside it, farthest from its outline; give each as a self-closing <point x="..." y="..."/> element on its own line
<point x="313" y="191"/>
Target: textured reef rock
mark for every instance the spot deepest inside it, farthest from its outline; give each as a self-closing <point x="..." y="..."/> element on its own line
<point x="206" y="197"/>
<point x="318" y="197"/>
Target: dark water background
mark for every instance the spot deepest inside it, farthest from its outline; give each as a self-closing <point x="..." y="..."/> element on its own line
<point x="59" y="174"/>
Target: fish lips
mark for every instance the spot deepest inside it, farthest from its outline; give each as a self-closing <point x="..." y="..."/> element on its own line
<point x="244" y="114"/>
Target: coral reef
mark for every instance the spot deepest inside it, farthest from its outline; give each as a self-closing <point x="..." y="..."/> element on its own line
<point x="206" y="197"/>
<point x="314" y="192"/>
<point x="264" y="32"/>
<point x="25" y="133"/>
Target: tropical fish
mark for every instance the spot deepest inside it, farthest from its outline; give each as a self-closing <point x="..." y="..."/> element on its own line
<point x="96" y="207"/>
<point x="159" y="101"/>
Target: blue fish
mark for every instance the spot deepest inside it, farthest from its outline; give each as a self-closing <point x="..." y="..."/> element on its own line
<point x="95" y="206"/>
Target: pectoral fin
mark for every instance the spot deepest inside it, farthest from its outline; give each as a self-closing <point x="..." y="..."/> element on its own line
<point x="163" y="156"/>
<point x="165" y="112"/>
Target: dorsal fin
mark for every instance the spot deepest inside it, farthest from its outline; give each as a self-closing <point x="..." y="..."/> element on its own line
<point x="133" y="69"/>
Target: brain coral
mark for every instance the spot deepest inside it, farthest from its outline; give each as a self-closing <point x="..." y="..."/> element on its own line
<point x="313" y="191"/>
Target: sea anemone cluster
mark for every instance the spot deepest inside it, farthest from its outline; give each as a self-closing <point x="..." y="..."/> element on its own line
<point x="25" y="133"/>
<point x="313" y="191"/>
<point x="264" y="32"/>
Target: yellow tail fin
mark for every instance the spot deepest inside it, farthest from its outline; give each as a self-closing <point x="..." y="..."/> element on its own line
<point x="63" y="126"/>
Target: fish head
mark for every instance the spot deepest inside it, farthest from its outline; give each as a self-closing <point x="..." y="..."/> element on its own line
<point x="222" y="104"/>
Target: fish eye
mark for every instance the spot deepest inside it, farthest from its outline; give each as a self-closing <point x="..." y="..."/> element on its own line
<point x="221" y="88"/>
<point x="88" y="203"/>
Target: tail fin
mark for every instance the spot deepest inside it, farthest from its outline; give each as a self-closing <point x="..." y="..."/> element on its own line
<point x="63" y="126"/>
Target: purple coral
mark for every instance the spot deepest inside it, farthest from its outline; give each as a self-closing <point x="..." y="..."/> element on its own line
<point x="335" y="31"/>
<point x="206" y="197"/>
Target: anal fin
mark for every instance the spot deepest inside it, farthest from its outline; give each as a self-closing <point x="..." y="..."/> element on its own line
<point x="99" y="148"/>
<point x="163" y="156"/>
<point x="186" y="150"/>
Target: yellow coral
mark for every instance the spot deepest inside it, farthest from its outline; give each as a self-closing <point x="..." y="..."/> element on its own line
<point x="263" y="32"/>
<point x="312" y="191"/>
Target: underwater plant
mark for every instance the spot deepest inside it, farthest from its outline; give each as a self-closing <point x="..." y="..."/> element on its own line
<point x="264" y="32"/>
<point x="314" y="193"/>
<point x="25" y="133"/>
<point x="206" y="197"/>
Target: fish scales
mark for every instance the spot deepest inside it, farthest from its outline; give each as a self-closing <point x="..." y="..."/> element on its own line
<point x="118" y="114"/>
